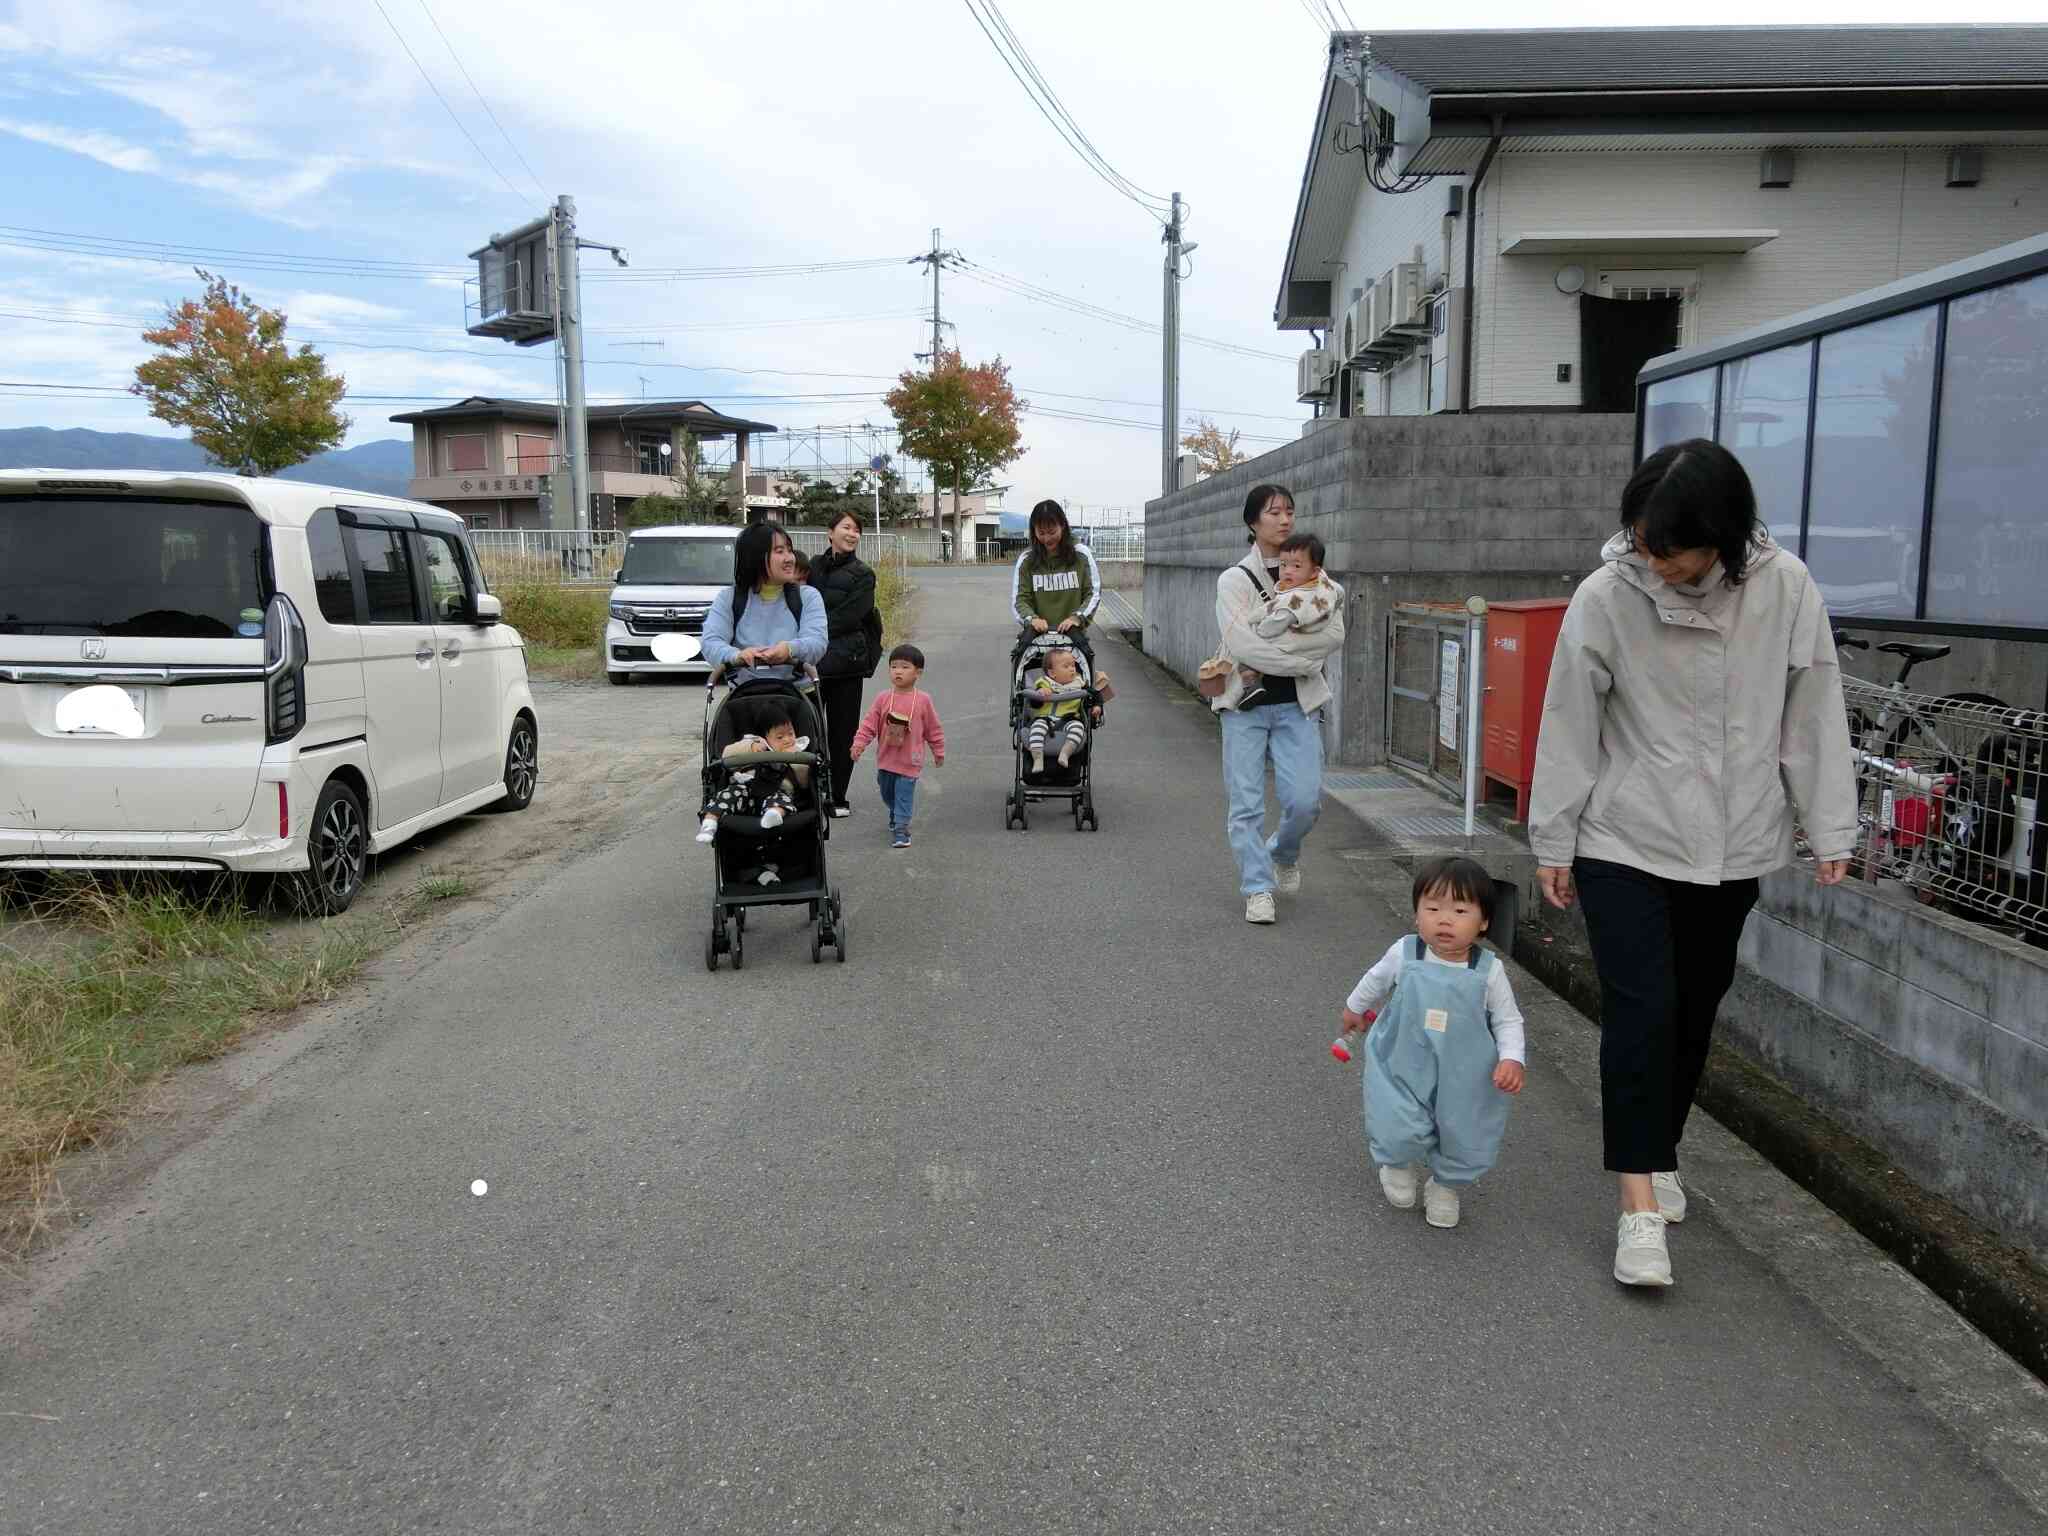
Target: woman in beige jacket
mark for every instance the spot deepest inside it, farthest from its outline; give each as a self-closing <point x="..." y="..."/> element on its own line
<point x="1694" y="710"/>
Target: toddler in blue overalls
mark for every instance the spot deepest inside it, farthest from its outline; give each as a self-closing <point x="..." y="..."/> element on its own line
<point x="1446" y="1049"/>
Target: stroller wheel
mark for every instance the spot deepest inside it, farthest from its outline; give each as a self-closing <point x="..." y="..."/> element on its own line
<point x="839" y="942"/>
<point x="817" y="943"/>
<point x="1077" y="815"/>
<point x="711" y="950"/>
<point x="739" y="948"/>
<point x="739" y="920"/>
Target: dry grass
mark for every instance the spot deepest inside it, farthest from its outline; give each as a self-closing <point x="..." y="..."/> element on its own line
<point x="105" y="987"/>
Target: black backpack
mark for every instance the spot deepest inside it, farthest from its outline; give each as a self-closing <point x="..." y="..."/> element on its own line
<point x="871" y="628"/>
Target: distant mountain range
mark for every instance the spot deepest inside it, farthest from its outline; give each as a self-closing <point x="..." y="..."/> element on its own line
<point x="384" y="466"/>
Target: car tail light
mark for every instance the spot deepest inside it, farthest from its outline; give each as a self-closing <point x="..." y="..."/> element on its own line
<point x="284" y="664"/>
<point x="284" y="811"/>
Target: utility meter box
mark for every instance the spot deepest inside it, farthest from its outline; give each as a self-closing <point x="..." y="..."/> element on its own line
<point x="1520" y="639"/>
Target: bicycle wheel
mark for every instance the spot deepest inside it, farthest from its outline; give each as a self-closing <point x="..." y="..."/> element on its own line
<point x="1920" y="738"/>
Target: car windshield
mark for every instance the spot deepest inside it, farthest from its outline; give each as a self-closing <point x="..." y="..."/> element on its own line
<point x="678" y="562"/>
<point x="131" y="566"/>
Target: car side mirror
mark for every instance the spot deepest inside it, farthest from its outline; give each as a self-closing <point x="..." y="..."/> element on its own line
<point x="487" y="609"/>
<point x="618" y="576"/>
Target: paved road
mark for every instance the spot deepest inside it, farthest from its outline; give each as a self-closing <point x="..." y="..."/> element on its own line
<point x="1045" y="1213"/>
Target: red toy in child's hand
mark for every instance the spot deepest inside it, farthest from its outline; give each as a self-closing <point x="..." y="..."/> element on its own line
<point x="1341" y="1046"/>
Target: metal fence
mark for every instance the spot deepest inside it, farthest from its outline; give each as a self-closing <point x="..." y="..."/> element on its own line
<point x="1950" y="803"/>
<point x="549" y="556"/>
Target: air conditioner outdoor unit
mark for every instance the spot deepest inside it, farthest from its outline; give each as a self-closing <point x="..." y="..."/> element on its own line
<point x="1357" y="327"/>
<point x="1382" y="307"/>
<point x="1409" y="312"/>
<point x="1447" y="320"/>
<point x="1314" y="371"/>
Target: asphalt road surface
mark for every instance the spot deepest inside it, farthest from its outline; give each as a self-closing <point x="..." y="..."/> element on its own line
<point x="1047" y="1212"/>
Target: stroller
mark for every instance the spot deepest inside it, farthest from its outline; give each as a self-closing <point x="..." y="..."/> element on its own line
<point x="1074" y="783"/>
<point x="780" y="866"/>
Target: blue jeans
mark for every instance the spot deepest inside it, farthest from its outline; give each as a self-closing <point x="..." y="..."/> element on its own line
<point x="1293" y="742"/>
<point x="898" y="790"/>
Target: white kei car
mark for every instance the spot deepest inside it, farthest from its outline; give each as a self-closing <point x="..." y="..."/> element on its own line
<point x="664" y="588"/>
<point x="201" y="672"/>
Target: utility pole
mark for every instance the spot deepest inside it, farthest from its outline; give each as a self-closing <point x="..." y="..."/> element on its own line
<point x="1169" y="396"/>
<point x="937" y="257"/>
<point x="569" y="318"/>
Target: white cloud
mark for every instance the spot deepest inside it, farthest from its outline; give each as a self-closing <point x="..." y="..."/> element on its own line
<point x="106" y="148"/>
<point x="321" y="310"/>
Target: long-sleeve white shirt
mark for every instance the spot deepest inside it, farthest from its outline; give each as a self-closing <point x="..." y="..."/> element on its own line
<point x="1377" y="985"/>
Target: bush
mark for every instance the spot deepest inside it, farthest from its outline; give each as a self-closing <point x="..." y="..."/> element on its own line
<point x="556" y="618"/>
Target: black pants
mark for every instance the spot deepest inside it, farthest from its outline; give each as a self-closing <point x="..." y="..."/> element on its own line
<point x="842" y="719"/>
<point x="1665" y="951"/>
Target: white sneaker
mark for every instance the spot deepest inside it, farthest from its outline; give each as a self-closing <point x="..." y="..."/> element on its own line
<point x="1439" y="1204"/>
<point x="1258" y="908"/>
<point x="772" y="817"/>
<point x="1398" y="1183"/>
<point x="1287" y="879"/>
<point x="841" y="811"/>
<point x="1670" y="1196"/>
<point x="707" y="829"/>
<point x="1640" y="1257"/>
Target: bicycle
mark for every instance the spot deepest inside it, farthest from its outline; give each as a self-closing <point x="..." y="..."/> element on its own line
<point x="1940" y="816"/>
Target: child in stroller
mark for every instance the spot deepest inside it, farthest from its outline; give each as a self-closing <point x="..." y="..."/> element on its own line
<point x="1056" y="694"/>
<point x="768" y="792"/>
<point x="763" y="815"/>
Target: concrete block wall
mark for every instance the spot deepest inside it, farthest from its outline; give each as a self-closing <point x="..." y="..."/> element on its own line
<point x="1509" y="505"/>
<point x="1925" y="1034"/>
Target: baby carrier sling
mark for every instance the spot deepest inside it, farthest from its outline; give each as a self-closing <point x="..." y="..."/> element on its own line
<point x="1429" y="1094"/>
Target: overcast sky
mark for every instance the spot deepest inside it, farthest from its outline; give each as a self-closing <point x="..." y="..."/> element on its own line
<point x="692" y="134"/>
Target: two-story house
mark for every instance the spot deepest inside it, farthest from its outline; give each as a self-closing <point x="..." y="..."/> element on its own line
<point x="1518" y="220"/>
<point x="496" y="462"/>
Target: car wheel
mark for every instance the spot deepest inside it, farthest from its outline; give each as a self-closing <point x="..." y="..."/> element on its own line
<point x="618" y="679"/>
<point x="522" y="767"/>
<point x="338" y="851"/>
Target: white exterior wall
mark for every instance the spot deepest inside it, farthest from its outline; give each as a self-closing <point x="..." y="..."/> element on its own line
<point x="1384" y="232"/>
<point x="1852" y="219"/>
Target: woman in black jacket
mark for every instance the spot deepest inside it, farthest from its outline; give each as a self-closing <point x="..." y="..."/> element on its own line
<point x="851" y="652"/>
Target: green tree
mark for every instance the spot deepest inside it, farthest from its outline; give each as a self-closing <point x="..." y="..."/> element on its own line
<point x="224" y="372"/>
<point x="964" y="422"/>
<point x="818" y="501"/>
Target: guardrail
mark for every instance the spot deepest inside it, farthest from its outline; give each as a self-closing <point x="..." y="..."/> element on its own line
<point x="550" y="556"/>
<point x="1950" y="802"/>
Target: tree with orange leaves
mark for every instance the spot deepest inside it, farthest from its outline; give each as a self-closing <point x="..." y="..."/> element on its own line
<point x="964" y="422"/>
<point x="225" y="372"/>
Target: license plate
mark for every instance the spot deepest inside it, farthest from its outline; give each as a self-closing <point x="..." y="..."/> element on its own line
<point x="105" y="718"/>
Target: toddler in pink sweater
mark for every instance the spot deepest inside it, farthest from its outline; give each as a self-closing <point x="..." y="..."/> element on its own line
<point x="901" y="721"/>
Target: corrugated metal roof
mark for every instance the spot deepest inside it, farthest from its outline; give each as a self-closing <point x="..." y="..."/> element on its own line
<point x="1713" y="58"/>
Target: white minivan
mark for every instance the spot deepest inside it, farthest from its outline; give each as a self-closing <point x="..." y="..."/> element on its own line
<point x="665" y="585"/>
<point x="200" y="672"/>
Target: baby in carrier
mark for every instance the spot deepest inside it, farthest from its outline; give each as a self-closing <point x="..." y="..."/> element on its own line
<point x="1300" y="603"/>
<point x="1447" y="1049"/>
<point x="1058" y="711"/>
<point x="768" y="791"/>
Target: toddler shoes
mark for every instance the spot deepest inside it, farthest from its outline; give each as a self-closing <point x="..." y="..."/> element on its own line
<point x="707" y="829"/>
<point x="1399" y="1185"/>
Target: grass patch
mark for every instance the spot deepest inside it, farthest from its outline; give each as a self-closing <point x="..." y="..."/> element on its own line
<point x="896" y="600"/>
<point x="585" y="664"/>
<point x="131" y="981"/>
<point x="551" y="618"/>
<point x="434" y="888"/>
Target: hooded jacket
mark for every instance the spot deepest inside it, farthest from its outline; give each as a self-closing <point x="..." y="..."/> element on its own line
<point x="1685" y="727"/>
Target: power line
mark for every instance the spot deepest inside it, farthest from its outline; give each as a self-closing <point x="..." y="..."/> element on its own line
<point x="416" y="64"/>
<point x="479" y="95"/>
<point x="1032" y="291"/>
<point x="1061" y="120"/>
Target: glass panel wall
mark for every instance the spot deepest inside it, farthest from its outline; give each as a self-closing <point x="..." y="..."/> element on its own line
<point x="1870" y="425"/>
<point x="1990" y="557"/>
<point x="1763" y="423"/>
<point x="1676" y="409"/>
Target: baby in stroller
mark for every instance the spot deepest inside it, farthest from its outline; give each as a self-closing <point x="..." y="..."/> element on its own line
<point x="1056" y="698"/>
<point x="1059" y="711"/>
<point x="770" y="791"/>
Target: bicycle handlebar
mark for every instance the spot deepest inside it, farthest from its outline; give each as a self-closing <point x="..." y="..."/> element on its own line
<point x="1844" y="641"/>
